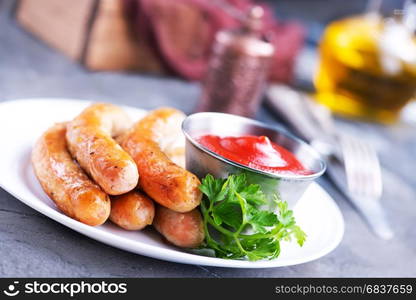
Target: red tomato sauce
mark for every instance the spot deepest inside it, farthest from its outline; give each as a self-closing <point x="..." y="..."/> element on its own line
<point x="256" y="152"/>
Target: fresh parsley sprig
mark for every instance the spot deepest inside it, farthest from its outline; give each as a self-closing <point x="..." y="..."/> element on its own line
<point x="236" y="226"/>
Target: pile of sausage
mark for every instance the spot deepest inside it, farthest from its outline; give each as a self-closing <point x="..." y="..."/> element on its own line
<point x="100" y="166"/>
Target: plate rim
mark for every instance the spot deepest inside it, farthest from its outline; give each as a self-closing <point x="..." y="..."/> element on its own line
<point x="156" y="251"/>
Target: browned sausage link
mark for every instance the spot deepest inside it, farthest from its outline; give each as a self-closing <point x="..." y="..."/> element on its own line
<point x="165" y="182"/>
<point x="132" y="211"/>
<point x="181" y="229"/>
<point x="65" y="182"/>
<point x="90" y="141"/>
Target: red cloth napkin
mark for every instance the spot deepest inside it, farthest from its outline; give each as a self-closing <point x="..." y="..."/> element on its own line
<point x="163" y="24"/>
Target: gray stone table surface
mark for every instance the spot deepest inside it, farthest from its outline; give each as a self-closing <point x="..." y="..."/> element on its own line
<point x="34" y="245"/>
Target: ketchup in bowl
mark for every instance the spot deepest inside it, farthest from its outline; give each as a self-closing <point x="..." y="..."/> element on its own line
<point x="256" y="152"/>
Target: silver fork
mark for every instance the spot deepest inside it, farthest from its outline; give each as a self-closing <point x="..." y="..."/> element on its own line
<point x="358" y="169"/>
<point x="352" y="163"/>
<point x="362" y="167"/>
<point x="364" y="182"/>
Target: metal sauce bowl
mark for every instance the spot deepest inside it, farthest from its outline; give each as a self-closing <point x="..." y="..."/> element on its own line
<point x="201" y="161"/>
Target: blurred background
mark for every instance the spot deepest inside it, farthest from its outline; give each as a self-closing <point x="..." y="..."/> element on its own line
<point x="208" y="42"/>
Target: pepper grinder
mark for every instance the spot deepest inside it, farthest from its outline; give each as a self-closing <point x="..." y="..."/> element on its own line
<point x="238" y="69"/>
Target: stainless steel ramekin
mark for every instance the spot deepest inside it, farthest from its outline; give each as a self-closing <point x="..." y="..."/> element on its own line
<point x="201" y="161"/>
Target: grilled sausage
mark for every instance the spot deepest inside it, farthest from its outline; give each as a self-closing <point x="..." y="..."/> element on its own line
<point x="65" y="182"/>
<point x="150" y="142"/>
<point x="181" y="229"/>
<point x="132" y="211"/>
<point x="90" y="141"/>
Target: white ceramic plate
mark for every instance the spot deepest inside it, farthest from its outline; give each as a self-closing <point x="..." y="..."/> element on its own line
<point x="23" y="121"/>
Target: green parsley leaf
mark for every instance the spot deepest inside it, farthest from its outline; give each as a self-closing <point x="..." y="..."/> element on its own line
<point x="229" y="213"/>
<point x="236" y="226"/>
<point x="263" y="218"/>
<point x="253" y="194"/>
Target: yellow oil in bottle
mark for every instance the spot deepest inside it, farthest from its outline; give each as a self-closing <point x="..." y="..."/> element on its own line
<point x="356" y="78"/>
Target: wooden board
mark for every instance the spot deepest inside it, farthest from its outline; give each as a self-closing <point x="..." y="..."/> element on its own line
<point x="61" y="24"/>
